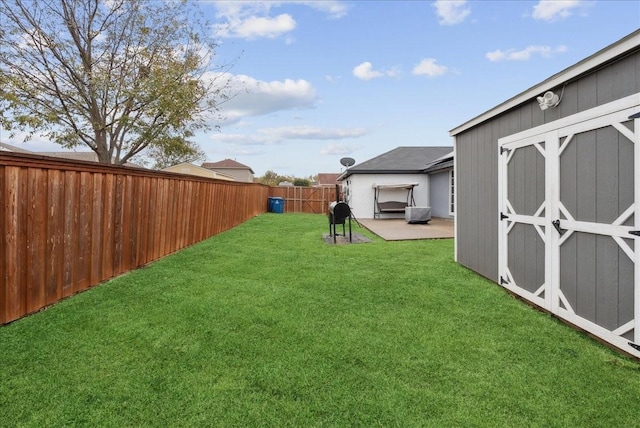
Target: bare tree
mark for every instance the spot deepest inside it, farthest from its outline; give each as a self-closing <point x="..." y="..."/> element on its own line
<point x="118" y="76"/>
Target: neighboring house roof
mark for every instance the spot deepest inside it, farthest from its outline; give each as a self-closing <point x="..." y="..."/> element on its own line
<point x="401" y="160"/>
<point x="328" y="179"/>
<point x="226" y="164"/>
<point x="80" y="156"/>
<point x="622" y="47"/>
<point x="191" y="169"/>
<point x="9" y="148"/>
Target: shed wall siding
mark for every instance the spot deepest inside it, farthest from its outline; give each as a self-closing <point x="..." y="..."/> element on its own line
<point x="477" y="157"/>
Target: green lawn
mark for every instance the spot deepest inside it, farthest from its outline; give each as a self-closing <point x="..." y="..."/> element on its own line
<point x="266" y="325"/>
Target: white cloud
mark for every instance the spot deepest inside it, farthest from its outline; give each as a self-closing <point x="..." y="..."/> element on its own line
<point x="429" y="68"/>
<point x="365" y="71"/>
<point x="271" y="136"/>
<point x="253" y="20"/>
<point x="451" y="12"/>
<point x="338" y="149"/>
<point x="313" y="133"/>
<point x="252" y="97"/>
<point x="256" y="27"/>
<point x="335" y="9"/>
<point x="524" y="54"/>
<point x="554" y="10"/>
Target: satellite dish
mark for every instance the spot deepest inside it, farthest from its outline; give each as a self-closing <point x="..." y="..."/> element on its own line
<point x="347" y="162"/>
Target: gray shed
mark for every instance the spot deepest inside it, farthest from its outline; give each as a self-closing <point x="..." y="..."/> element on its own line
<point x="548" y="191"/>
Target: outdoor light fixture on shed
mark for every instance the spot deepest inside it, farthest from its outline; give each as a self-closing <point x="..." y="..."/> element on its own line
<point x="549" y="99"/>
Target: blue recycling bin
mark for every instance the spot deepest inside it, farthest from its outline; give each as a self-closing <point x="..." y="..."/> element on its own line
<point x="276" y="205"/>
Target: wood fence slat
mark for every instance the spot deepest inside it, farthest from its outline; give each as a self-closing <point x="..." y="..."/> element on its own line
<point x="3" y="235"/>
<point x="108" y="227"/>
<point x="118" y="231"/>
<point x="14" y="306"/>
<point x="97" y="234"/>
<point x="127" y="224"/>
<point x="54" y="257"/>
<point x="70" y="234"/>
<point x="36" y="239"/>
<point x="85" y="235"/>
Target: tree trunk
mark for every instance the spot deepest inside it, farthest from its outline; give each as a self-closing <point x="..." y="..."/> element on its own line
<point x="101" y="147"/>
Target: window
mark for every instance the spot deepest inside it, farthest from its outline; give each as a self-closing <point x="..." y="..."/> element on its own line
<point x="452" y="195"/>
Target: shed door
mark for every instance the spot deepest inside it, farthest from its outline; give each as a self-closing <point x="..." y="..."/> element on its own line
<point x="568" y="202"/>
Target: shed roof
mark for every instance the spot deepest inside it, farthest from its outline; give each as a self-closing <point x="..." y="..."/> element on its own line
<point x="401" y="160"/>
<point x="610" y="53"/>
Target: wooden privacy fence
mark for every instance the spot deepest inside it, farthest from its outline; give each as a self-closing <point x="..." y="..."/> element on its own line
<point x="313" y="200"/>
<point x="67" y="225"/>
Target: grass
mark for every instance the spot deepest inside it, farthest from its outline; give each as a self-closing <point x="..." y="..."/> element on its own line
<point x="265" y="325"/>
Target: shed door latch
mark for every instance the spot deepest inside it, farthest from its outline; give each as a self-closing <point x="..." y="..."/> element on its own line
<point x="556" y="224"/>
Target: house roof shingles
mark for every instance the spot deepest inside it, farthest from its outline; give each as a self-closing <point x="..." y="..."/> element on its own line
<point x="226" y="164"/>
<point x="400" y="160"/>
<point x="328" y="179"/>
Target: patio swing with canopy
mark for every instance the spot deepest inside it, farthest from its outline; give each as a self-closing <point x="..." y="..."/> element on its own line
<point x="392" y="206"/>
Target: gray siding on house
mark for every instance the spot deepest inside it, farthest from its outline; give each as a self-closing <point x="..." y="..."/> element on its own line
<point x="477" y="156"/>
<point x="439" y="192"/>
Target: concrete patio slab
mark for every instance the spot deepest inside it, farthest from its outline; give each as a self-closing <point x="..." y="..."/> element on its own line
<point x="400" y="230"/>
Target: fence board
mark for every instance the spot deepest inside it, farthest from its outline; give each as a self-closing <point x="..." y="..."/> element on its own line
<point x="68" y="225"/>
<point x="3" y="266"/>
<point x="55" y="229"/>
<point x="70" y="241"/>
<point x="13" y="248"/>
<point x="108" y="231"/>
<point x="83" y="266"/>
<point x="37" y="238"/>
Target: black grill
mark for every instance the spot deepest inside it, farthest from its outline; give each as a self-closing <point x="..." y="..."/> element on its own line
<point x="339" y="213"/>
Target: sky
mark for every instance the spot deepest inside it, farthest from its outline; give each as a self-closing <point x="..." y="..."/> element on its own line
<point x="320" y="81"/>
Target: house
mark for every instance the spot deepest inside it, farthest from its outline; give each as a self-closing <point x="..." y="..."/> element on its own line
<point x="191" y="169"/>
<point x="383" y="186"/>
<point x="327" y="179"/>
<point x="231" y="168"/>
<point x="9" y="148"/>
<point x="548" y="194"/>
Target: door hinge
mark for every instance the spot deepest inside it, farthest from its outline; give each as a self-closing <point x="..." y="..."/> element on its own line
<point x="635" y="232"/>
<point x="502" y="150"/>
<point x="635" y="116"/>
<point x="503" y="216"/>
<point x="556" y="224"/>
<point x="503" y="281"/>
<point x="634" y="346"/>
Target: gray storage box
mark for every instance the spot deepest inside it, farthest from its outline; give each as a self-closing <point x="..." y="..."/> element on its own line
<point x="417" y="214"/>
